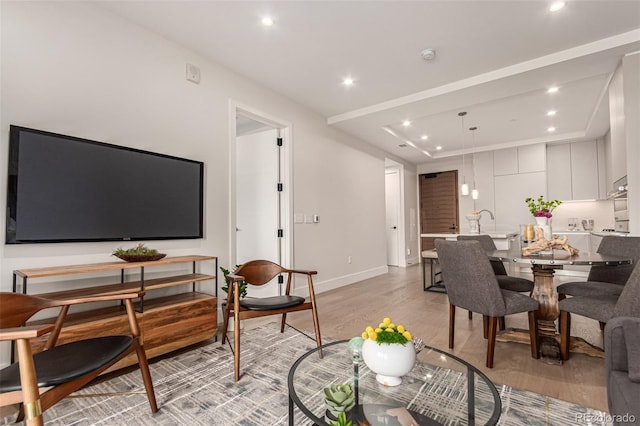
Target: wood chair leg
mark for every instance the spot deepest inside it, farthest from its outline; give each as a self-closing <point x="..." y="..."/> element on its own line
<point x="452" y="321"/>
<point x="491" y="344"/>
<point x="146" y="377"/>
<point x="501" y="323"/>
<point x="32" y="409"/>
<point x="485" y="326"/>
<point x="283" y="322"/>
<point x="565" y="334"/>
<point x="225" y="323"/>
<point x="470" y="315"/>
<point x="533" y="334"/>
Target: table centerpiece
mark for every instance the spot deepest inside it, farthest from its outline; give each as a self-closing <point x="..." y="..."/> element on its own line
<point x="388" y="351"/>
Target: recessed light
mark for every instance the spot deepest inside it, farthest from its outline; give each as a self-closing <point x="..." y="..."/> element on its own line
<point x="551" y="129"/>
<point x="556" y="5"/>
<point x="551" y="113"/>
<point x="348" y="81"/>
<point x="406" y="123"/>
<point x="438" y="148"/>
<point x="553" y="89"/>
<point x="424" y="137"/>
<point x="267" y="21"/>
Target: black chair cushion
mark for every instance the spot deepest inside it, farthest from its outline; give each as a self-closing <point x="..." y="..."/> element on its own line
<point x="68" y="362"/>
<point x="514" y="283"/>
<point x="267" y="303"/>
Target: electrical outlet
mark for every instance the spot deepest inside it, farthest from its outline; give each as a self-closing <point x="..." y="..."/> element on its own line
<point x="408" y="252"/>
<point x="349" y="259"/>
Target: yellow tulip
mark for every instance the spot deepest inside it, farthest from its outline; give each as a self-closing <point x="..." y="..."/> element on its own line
<point x="387" y="321"/>
<point x="382" y="325"/>
<point x="401" y="329"/>
<point x="365" y="335"/>
<point x="392" y="325"/>
<point x="373" y="336"/>
<point x="390" y="330"/>
<point x="378" y="330"/>
<point x="407" y="335"/>
<point x="369" y="329"/>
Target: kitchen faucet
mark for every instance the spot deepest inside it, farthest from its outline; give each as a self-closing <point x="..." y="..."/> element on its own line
<point x="488" y="211"/>
<point x="480" y="217"/>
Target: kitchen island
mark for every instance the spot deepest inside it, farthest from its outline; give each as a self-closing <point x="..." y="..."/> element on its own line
<point x="502" y="237"/>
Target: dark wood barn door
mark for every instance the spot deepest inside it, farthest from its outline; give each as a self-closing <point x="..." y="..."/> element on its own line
<point x="438" y="205"/>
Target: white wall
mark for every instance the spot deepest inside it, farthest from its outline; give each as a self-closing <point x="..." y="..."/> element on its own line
<point x="75" y="69"/>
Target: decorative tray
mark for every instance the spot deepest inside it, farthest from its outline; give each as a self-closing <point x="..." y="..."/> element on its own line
<point x="140" y="257"/>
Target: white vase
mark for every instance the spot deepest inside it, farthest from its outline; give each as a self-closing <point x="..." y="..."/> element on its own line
<point x="389" y="361"/>
<point x="545" y="224"/>
<point x="540" y="220"/>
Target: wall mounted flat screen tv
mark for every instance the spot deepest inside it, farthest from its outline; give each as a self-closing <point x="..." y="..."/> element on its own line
<point x="64" y="189"/>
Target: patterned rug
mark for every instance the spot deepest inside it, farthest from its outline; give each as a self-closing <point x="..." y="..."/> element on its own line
<point x="197" y="387"/>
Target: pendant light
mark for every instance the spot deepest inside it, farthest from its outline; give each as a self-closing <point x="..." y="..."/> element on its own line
<point x="474" y="192"/>
<point x="464" y="188"/>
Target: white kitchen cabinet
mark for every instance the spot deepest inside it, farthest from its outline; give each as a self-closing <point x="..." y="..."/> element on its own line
<point x="573" y="172"/>
<point x="510" y="193"/>
<point x="531" y="158"/>
<point x="559" y="172"/>
<point x="505" y="162"/>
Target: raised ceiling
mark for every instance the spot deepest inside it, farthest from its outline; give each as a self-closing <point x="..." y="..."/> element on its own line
<point x="494" y="60"/>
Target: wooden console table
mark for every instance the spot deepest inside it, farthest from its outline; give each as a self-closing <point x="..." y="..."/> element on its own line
<point x="167" y="323"/>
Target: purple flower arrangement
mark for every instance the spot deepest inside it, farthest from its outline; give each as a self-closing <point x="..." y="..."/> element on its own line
<point x="540" y="207"/>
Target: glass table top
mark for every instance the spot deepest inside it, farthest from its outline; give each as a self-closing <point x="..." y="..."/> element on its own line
<point x="440" y="389"/>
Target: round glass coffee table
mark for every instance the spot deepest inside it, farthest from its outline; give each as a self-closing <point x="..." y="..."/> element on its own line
<point x="441" y="389"/>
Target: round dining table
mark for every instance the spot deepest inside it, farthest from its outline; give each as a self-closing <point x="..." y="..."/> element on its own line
<point x="543" y="266"/>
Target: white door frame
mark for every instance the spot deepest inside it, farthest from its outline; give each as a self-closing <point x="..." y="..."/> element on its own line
<point x="392" y="165"/>
<point x="285" y="163"/>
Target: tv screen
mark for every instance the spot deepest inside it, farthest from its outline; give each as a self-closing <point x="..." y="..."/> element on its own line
<point x="63" y="189"/>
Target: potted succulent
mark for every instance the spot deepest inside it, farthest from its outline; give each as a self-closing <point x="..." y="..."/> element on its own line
<point x="339" y="400"/>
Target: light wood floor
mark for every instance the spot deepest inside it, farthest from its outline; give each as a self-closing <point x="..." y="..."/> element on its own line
<point x="345" y="312"/>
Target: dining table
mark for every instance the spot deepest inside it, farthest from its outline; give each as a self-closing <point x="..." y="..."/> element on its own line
<point x="543" y="266"/>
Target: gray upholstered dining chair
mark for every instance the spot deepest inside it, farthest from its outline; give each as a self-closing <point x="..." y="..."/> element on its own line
<point x="471" y="284"/>
<point x="622" y="337"/>
<point x="605" y="279"/>
<point x="505" y="281"/>
<point x="600" y="307"/>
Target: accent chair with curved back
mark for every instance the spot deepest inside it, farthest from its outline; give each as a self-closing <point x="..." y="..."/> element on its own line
<point x="601" y="308"/>
<point x="472" y="285"/>
<point x="258" y="273"/>
<point x="622" y="359"/>
<point x="606" y="280"/>
<point x="38" y="381"/>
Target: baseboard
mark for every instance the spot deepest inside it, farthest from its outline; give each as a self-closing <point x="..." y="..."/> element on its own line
<point x="322" y="286"/>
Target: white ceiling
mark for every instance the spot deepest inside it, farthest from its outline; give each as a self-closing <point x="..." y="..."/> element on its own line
<point x="494" y="60"/>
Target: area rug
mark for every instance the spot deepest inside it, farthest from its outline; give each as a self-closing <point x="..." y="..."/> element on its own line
<point x="197" y="387"/>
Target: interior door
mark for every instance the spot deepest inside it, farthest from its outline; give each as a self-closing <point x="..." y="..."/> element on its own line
<point x="257" y="201"/>
<point x="392" y="199"/>
<point x="438" y="205"/>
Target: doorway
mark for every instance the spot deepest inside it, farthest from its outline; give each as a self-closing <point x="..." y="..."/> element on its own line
<point x="438" y="205"/>
<point x="394" y="208"/>
<point x="260" y="192"/>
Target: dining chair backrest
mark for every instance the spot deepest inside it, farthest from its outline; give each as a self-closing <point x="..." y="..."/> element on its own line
<point x="628" y="304"/>
<point x="616" y="246"/>
<point x="468" y="277"/>
<point x="488" y="245"/>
